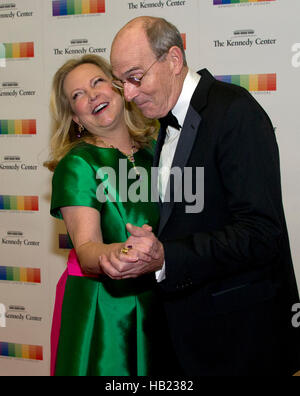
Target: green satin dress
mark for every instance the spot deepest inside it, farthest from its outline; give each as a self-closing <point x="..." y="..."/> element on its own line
<point x="108" y="327"/>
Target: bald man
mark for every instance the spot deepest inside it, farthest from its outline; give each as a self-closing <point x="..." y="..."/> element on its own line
<point x="225" y="266"/>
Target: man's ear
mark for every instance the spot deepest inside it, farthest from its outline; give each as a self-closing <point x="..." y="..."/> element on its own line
<point x="176" y="58"/>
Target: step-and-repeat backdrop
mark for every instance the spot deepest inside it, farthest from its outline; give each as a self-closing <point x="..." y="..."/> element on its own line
<point x="253" y="43"/>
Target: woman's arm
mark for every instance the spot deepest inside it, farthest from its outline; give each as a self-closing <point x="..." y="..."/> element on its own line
<point x="83" y="225"/>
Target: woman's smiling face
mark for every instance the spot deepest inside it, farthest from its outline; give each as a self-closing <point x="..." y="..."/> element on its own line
<point x="95" y="103"/>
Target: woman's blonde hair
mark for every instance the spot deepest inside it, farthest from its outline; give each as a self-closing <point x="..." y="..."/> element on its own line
<point x="65" y="130"/>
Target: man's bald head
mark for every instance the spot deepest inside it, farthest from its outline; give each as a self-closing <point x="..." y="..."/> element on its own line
<point x="148" y="59"/>
<point x="161" y="34"/>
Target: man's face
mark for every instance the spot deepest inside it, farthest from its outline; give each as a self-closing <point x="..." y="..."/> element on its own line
<point x="131" y="55"/>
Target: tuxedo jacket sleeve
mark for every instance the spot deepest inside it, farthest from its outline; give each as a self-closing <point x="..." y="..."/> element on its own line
<point x="242" y="228"/>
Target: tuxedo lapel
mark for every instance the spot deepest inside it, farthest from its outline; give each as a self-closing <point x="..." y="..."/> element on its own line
<point x="187" y="138"/>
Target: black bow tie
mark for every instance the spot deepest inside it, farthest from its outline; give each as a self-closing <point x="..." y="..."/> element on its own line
<point x="170" y="120"/>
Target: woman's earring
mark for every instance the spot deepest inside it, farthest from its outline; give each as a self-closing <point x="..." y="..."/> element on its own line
<point x="80" y="131"/>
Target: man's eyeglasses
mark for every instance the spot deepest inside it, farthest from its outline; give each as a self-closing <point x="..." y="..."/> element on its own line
<point x="136" y="81"/>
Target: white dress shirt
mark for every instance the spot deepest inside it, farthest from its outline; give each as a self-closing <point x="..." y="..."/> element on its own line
<point x="169" y="148"/>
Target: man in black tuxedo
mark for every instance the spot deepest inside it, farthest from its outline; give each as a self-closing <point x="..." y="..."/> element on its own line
<point x="225" y="268"/>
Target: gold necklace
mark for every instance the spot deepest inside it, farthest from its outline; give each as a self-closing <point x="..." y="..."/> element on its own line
<point x="130" y="157"/>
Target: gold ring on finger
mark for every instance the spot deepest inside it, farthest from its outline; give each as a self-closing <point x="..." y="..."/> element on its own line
<point x="125" y="250"/>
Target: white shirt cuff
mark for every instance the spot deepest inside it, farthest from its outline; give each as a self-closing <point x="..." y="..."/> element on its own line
<point x="161" y="275"/>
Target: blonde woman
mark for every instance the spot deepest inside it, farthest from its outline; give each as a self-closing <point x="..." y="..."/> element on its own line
<point x="101" y="326"/>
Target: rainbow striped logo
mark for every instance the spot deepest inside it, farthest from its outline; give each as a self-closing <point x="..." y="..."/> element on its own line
<point x="19" y="203"/>
<point x="17" y="50"/>
<point x="64" y="242"/>
<point x="2" y="56"/>
<point x="17" y="274"/>
<point x="21" y="351"/>
<point x="17" y="127"/>
<point x="183" y="36"/>
<point x="252" y="82"/>
<point x="218" y="2"/>
<point x="77" y="7"/>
